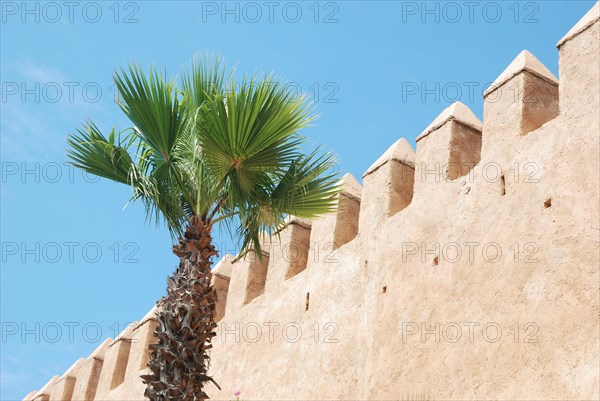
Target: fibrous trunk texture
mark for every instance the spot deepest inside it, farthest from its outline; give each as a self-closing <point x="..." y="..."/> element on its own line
<point x="179" y="360"/>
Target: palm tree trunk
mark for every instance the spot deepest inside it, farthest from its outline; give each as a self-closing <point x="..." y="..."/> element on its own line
<point x="179" y="360"/>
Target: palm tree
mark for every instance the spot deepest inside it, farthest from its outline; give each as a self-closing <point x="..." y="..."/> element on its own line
<point x="207" y="152"/>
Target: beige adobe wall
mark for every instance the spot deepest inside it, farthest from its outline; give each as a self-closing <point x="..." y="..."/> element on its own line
<point x="367" y="303"/>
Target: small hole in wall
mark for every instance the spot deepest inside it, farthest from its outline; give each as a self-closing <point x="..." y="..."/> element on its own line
<point x="307" y="301"/>
<point x="548" y="203"/>
<point x="502" y="185"/>
<point x="436" y="260"/>
<point x="384" y="289"/>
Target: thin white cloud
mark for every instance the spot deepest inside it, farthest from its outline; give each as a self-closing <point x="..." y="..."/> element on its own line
<point x="14" y="379"/>
<point x="39" y="73"/>
<point x="33" y="128"/>
<point x="25" y="137"/>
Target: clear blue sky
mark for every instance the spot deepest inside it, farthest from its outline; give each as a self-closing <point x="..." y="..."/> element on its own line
<point x="76" y="265"/>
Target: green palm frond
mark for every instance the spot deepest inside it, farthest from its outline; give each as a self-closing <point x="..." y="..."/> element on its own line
<point x="252" y="132"/>
<point x="95" y="154"/>
<point x="162" y="203"/>
<point x="205" y="81"/>
<point x="308" y="187"/>
<point x="152" y="105"/>
<point x="231" y="155"/>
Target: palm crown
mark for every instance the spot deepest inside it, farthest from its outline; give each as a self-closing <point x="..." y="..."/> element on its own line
<point x="212" y="150"/>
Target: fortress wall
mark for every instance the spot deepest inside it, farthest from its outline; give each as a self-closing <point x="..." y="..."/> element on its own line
<point x="553" y="283"/>
<point x="466" y="269"/>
